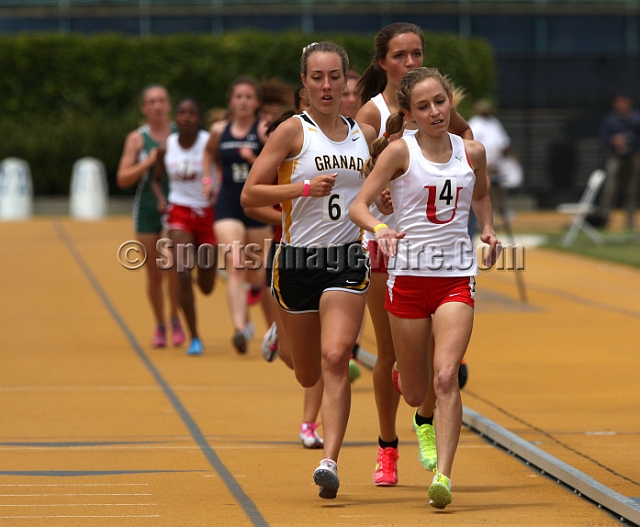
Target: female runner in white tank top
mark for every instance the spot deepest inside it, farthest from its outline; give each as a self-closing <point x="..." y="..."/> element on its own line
<point x="321" y="272"/>
<point x="434" y="178"/>
<point x="190" y="214"/>
<point x="399" y="48"/>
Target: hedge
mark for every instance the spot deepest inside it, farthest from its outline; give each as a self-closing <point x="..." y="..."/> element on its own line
<point x="63" y="97"/>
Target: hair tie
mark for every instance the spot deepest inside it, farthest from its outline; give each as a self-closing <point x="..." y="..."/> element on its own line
<point x="386" y="135"/>
<point x="309" y="46"/>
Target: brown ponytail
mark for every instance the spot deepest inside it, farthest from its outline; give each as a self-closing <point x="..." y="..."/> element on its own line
<point x="372" y="82"/>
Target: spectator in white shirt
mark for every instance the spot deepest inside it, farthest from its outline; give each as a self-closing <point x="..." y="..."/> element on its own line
<point x="489" y="131"/>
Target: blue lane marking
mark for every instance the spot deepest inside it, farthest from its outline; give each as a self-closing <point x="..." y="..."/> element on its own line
<point x="70" y="473"/>
<point x="234" y="487"/>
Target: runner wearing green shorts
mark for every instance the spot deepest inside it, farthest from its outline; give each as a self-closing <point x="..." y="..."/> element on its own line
<point x="138" y="157"/>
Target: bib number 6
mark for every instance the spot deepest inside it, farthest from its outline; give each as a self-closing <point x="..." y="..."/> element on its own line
<point x="333" y="208"/>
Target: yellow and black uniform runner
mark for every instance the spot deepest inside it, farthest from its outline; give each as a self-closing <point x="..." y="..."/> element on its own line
<point x="321" y="248"/>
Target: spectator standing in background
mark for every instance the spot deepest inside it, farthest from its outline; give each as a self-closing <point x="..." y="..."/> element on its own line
<point x="489" y="131"/>
<point x="620" y="133"/>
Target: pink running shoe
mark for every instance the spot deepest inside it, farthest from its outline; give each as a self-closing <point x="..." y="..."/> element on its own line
<point x="395" y="377"/>
<point x="386" y="474"/>
<point x="177" y="334"/>
<point x="270" y="344"/>
<point x="309" y="435"/>
<point x="159" y="339"/>
<point x="254" y="294"/>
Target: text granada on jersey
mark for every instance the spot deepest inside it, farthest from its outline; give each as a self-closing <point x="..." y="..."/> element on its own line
<point x="333" y="162"/>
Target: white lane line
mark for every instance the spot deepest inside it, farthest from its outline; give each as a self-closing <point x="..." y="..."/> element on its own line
<point x="79" y="388"/>
<point x="48" y="517"/>
<point x="84" y="505"/>
<point x="100" y="447"/>
<point x="170" y="447"/>
<point x="202" y="388"/>
<point x="58" y="494"/>
<point x="138" y="447"/>
<point x="74" y="485"/>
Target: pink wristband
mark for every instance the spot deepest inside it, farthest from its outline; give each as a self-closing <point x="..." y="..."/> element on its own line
<point x="307" y="188"/>
<point x="207" y="180"/>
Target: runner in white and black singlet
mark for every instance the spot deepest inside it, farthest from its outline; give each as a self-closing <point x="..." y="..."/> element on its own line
<point x="321" y="271"/>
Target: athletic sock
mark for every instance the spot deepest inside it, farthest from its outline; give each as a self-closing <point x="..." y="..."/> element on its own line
<point x="423" y="420"/>
<point x="384" y="444"/>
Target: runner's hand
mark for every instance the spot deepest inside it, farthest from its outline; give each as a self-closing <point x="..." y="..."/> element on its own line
<point x="321" y="185"/>
<point x="388" y="241"/>
<point x="384" y="203"/>
<point x="495" y="249"/>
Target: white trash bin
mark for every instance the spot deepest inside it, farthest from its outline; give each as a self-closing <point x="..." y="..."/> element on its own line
<point x="88" y="195"/>
<point x="16" y="189"/>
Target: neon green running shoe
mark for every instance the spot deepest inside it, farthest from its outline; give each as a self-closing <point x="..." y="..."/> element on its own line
<point x="354" y="370"/>
<point x="426" y="444"/>
<point x="440" y="491"/>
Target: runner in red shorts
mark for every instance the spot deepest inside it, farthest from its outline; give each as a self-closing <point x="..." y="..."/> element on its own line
<point x="190" y="213"/>
<point x="434" y="178"/>
<point x="399" y="48"/>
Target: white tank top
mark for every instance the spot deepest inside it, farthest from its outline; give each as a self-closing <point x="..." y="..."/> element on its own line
<point x="184" y="169"/>
<point x="387" y="219"/>
<point x="381" y="104"/>
<point x="431" y="204"/>
<point x="322" y="222"/>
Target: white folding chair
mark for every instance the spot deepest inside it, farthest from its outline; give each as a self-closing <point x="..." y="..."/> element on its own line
<point x="578" y="211"/>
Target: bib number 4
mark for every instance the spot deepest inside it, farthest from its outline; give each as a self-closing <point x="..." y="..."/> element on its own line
<point x="442" y="196"/>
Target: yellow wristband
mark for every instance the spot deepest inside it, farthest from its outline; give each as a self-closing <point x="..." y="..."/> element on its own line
<point x="380" y="226"/>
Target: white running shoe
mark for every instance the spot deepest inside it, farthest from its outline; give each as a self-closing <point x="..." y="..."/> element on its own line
<point x="242" y="337"/>
<point x="270" y="344"/>
<point x="249" y="330"/>
<point x="326" y="477"/>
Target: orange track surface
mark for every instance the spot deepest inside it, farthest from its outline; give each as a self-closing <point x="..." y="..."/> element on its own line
<point x="98" y="429"/>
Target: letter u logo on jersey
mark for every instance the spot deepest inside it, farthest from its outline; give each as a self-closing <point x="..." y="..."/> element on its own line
<point x="440" y="196"/>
